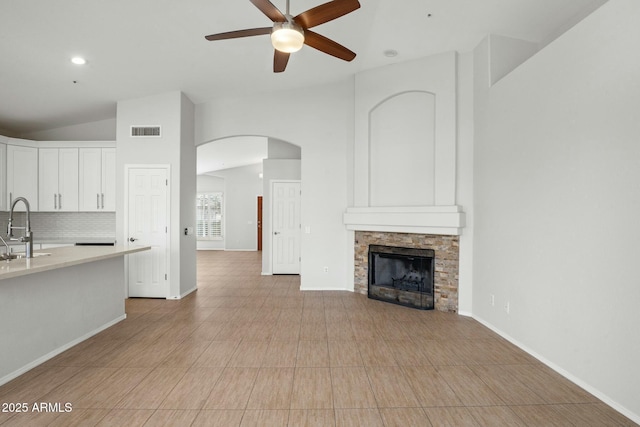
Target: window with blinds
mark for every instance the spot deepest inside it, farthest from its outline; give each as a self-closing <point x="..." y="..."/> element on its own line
<point x="209" y="216"/>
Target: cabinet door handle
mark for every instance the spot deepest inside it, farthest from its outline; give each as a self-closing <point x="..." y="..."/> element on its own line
<point x="59" y="201"/>
<point x="97" y="201"/>
<point x="55" y="201"/>
<point x="102" y="200"/>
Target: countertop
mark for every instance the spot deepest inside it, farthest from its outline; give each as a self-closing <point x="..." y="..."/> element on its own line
<point x="73" y="240"/>
<point x="62" y="240"/>
<point x="64" y="257"/>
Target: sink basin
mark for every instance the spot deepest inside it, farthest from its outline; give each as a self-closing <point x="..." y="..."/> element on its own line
<point x="20" y="255"/>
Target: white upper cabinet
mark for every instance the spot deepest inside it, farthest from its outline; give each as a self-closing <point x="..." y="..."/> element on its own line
<point x="22" y="176"/>
<point x="56" y="176"/>
<point x="97" y="172"/>
<point x="109" y="179"/>
<point x="58" y="179"/>
<point x="3" y="177"/>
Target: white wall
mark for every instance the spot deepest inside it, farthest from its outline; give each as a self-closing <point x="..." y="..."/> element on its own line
<point x="557" y="167"/>
<point x="319" y="120"/>
<point x="187" y="197"/>
<point x="174" y="113"/>
<point x="506" y="54"/>
<point x="209" y="184"/>
<point x="464" y="179"/>
<point x="402" y="150"/>
<point x="242" y="188"/>
<point x="277" y="149"/>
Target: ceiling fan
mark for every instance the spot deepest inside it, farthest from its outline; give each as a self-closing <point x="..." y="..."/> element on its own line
<point x="289" y="33"/>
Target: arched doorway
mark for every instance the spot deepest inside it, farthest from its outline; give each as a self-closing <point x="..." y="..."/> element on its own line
<point x="244" y="168"/>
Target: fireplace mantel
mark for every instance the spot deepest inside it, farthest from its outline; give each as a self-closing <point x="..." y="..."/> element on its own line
<point x="443" y="220"/>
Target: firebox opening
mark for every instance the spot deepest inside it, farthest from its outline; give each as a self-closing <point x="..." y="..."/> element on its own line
<point x="402" y="276"/>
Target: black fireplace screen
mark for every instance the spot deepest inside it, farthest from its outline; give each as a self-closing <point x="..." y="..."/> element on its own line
<point x="402" y="275"/>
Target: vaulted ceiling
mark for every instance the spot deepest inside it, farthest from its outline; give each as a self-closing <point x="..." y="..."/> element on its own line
<point x="137" y="48"/>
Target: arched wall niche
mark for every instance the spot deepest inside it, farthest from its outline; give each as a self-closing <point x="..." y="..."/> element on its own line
<point x="404" y="162"/>
<point x="433" y="76"/>
<point x="402" y="150"/>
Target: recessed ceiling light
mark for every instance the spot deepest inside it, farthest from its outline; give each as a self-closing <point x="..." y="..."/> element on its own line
<point x="78" y="60"/>
<point x="390" y="53"/>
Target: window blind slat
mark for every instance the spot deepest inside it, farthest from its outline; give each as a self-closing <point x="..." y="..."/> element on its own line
<point x="209" y="216"/>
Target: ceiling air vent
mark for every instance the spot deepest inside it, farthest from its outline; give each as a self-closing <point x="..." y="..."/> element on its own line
<point x="145" y="131"/>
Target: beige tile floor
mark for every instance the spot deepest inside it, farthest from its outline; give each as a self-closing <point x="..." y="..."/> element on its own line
<point x="252" y="350"/>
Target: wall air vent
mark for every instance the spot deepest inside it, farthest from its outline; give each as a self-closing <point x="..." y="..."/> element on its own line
<point x="145" y="131"/>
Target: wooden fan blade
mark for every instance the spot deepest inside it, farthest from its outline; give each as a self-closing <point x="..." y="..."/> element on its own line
<point x="327" y="46"/>
<point x="326" y="12"/>
<point x="280" y="60"/>
<point x="239" y="33"/>
<point x="269" y="9"/>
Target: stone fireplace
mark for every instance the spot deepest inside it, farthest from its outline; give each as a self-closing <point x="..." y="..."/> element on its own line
<point x="445" y="249"/>
<point x="405" y="168"/>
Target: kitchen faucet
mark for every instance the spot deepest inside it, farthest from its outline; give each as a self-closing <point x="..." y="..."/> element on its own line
<point x="28" y="235"/>
<point x="7" y="254"/>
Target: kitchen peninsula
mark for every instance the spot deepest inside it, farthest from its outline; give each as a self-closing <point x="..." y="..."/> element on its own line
<point x="50" y="303"/>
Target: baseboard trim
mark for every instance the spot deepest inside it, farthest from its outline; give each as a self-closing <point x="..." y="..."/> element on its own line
<point x="57" y="351"/>
<point x="184" y="294"/>
<point x="597" y="393"/>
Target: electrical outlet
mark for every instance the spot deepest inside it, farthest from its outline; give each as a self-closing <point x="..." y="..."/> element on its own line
<point x="493" y="300"/>
<point x="326" y="269"/>
<point x="507" y="307"/>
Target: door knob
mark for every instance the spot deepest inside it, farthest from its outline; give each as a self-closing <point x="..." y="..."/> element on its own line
<point x="276" y="232"/>
<point x="132" y="239"/>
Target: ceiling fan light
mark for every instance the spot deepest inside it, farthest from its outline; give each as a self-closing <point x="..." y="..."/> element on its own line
<point x="287" y="37"/>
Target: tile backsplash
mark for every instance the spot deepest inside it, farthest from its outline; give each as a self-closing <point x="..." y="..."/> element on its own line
<point x="65" y="225"/>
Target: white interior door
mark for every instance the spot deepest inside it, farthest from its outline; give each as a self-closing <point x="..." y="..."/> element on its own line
<point x="286" y="227"/>
<point x="147" y="225"/>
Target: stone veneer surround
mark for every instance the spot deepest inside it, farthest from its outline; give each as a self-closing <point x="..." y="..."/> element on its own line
<point x="447" y="252"/>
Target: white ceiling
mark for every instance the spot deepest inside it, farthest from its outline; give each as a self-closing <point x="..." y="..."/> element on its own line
<point x="231" y="153"/>
<point x="137" y="48"/>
